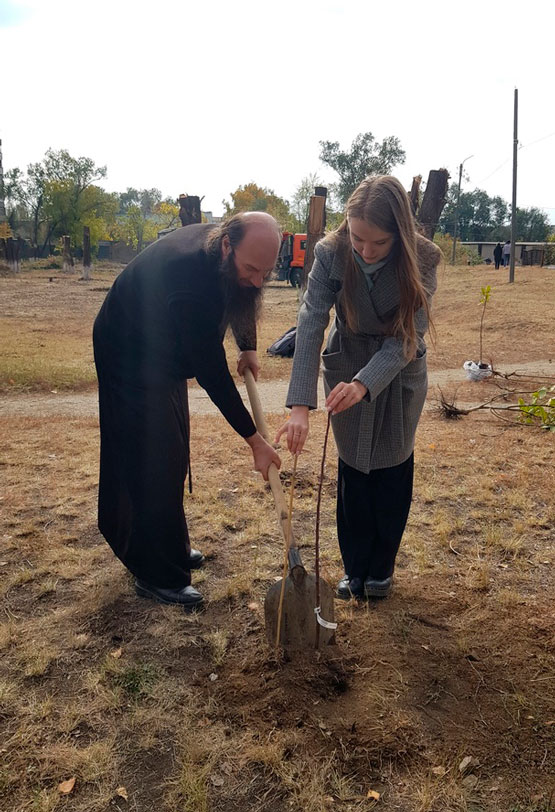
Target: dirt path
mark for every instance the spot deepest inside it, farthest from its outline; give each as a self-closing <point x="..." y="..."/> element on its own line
<point x="272" y="394"/>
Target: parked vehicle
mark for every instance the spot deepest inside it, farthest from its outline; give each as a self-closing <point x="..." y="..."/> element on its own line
<point x="290" y="262"/>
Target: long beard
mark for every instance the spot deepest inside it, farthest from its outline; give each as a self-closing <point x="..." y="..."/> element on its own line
<point x="242" y="304"/>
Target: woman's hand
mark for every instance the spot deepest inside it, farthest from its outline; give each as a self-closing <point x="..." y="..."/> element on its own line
<point x="263" y="454"/>
<point x="345" y="395"/>
<point x="296" y="429"/>
<point x="248" y="358"/>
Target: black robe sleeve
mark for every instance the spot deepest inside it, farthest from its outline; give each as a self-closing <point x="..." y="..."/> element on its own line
<point x="196" y="314"/>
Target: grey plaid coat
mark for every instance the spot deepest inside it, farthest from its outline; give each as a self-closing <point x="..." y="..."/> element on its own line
<point x="379" y="431"/>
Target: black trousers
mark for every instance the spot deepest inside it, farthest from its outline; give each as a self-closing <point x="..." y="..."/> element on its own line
<point x="372" y="512"/>
<point x="144" y="458"/>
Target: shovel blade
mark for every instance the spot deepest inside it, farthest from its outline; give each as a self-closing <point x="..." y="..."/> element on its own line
<point x="299" y="626"/>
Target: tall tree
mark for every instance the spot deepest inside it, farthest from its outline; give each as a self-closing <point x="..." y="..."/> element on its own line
<point x="365" y="157"/>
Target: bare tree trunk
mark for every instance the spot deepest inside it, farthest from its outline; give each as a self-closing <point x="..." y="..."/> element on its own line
<point x="189" y="210"/>
<point x="415" y="193"/>
<point x="433" y="202"/>
<point x="314" y="232"/>
<point x="67" y="258"/>
<point x="86" y="253"/>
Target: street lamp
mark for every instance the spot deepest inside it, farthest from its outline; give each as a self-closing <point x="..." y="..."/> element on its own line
<point x="457" y="209"/>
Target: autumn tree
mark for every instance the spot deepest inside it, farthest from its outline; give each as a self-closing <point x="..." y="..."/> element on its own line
<point x="365" y="157"/>
<point x="252" y="197"/>
<point x="53" y="193"/>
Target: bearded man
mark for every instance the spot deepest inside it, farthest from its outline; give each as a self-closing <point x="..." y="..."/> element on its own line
<point x="162" y="322"/>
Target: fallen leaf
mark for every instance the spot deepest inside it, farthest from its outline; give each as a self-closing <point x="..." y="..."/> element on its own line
<point x="439" y="771"/>
<point x="67" y="786"/>
<point x="253" y="606"/>
<point x="116" y="653"/>
<point x="122" y="792"/>
<point x="226" y="768"/>
<point x="465" y="764"/>
<point x="427" y="648"/>
<point x="373" y="795"/>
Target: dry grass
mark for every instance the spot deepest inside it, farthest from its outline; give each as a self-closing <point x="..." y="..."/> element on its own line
<point x="193" y="712"/>
<point x="45" y="327"/>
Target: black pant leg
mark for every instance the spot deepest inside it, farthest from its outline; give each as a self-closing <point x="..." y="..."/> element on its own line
<point x="372" y="512"/>
<point x="143" y="465"/>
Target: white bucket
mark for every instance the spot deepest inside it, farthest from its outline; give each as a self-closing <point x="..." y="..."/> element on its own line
<point x="477" y="372"/>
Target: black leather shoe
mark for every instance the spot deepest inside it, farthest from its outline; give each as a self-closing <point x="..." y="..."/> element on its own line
<point x="186" y="596"/>
<point x="377" y="589"/>
<point x="348" y="588"/>
<point x="196" y="559"/>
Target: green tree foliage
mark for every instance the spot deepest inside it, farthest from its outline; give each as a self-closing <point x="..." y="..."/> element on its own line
<point x="532" y="225"/>
<point x="484" y="218"/>
<point x="140" y="224"/>
<point x="146" y="199"/>
<point x="365" y="157"/>
<point x="54" y="194"/>
<point x="480" y="217"/>
<point x="252" y="197"/>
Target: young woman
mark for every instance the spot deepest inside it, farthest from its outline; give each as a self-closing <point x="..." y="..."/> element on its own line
<point x="380" y="275"/>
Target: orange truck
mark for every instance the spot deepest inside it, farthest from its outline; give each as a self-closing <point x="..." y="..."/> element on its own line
<point x="290" y="262"/>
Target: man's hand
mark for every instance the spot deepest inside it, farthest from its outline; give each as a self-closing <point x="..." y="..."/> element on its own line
<point x="263" y="454"/>
<point x="345" y="395"/>
<point x="248" y="358"/>
<point x="296" y="428"/>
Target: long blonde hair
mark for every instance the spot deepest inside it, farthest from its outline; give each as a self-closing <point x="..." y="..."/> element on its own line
<point x="382" y="201"/>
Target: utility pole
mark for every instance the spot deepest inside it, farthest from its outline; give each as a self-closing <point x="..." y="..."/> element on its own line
<point x="457" y="210"/>
<point x="513" y="208"/>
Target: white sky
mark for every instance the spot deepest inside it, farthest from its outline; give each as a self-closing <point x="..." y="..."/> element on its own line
<point x="200" y="97"/>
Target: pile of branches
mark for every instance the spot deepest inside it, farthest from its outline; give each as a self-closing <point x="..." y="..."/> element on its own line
<point x="530" y="404"/>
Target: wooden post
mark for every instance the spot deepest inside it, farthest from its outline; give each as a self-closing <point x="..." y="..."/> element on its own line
<point x="433" y="202"/>
<point x="415" y="193"/>
<point x="189" y="209"/>
<point x="67" y="258"/>
<point x="321" y="191"/>
<point x="12" y="254"/>
<point x="314" y="232"/>
<point x="86" y="253"/>
<point x="513" y="203"/>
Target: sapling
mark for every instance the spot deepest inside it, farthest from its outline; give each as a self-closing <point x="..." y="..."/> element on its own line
<point x="479" y="371"/>
<point x="485" y="294"/>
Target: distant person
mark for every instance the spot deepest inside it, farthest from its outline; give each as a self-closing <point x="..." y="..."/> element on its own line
<point x="497" y="255"/>
<point x="507" y="253"/>
<point x="380" y="275"/>
<point x="163" y="322"/>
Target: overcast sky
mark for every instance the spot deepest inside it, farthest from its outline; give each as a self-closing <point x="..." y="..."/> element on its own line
<point x="201" y="97"/>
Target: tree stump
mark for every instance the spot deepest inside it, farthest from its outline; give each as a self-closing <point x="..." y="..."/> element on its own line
<point x="433" y="202"/>
<point x="13" y="248"/>
<point x="86" y="253"/>
<point x="67" y="258"/>
<point x="415" y="193"/>
<point x="314" y="232"/>
<point x="189" y="209"/>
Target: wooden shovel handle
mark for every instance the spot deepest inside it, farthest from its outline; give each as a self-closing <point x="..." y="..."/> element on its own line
<point x="273" y="473"/>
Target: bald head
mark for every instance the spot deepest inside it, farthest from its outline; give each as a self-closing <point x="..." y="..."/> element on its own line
<point x="256" y="253"/>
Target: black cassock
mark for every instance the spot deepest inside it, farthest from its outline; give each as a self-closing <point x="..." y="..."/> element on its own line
<point x="160" y="324"/>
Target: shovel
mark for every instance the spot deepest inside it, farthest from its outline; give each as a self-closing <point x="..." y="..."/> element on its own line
<point x="306" y="599"/>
